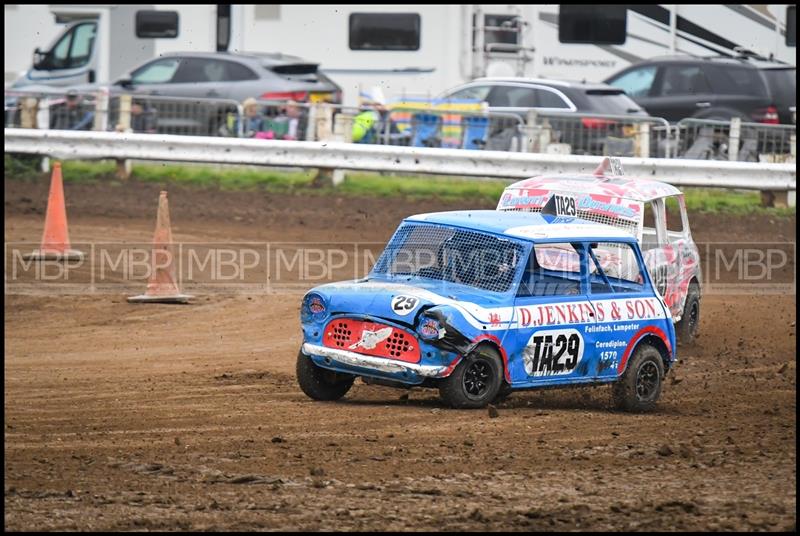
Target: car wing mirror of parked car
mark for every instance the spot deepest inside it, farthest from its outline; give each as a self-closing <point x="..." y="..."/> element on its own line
<point x="125" y="82"/>
<point x="38" y="57"/>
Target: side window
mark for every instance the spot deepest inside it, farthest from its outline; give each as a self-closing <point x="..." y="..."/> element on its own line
<point x="683" y="80"/>
<point x="614" y="269"/>
<point x="384" y="31"/>
<point x="197" y="70"/>
<point x="471" y="93"/>
<point x="552" y="270"/>
<point x="60" y="52"/>
<point x="674" y="218"/>
<point x="549" y="99"/>
<point x="636" y="83"/>
<point x="649" y="233"/>
<point x="238" y="72"/>
<point x="157" y="72"/>
<point x="73" y="49"/>
<point x="82" y="44"/>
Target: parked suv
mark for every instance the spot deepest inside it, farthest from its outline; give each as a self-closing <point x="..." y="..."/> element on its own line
<point x="586" y="135"/>
<point x="679" y="87"/>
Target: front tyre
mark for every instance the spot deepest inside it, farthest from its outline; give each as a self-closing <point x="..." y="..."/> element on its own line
<point x="640" y="385"/>
<point x="686" y="328"/>
<point x="319" y="383"/>
<point x="475" y="382"/>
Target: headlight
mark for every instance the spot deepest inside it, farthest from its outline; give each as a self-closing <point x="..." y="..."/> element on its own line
<point x="314" y="306"/>
<point x="430" y="329"/>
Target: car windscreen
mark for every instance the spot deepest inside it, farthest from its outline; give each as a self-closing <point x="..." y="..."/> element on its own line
<point x="782" y="84"/>
<point x="451" y="255"/>
<point x="610" y="101"/>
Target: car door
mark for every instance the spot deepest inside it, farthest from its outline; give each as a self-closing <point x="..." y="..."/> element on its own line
<point x="554" y="318"/>
<point x="625" y="306"/>
<point x="680" y="90"/>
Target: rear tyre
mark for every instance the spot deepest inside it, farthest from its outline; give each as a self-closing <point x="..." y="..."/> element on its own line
<point x="640" y="385"/>
<point x="686" y="329"/>
<point x="319" y="383"/>
<point x="475" y="382"/>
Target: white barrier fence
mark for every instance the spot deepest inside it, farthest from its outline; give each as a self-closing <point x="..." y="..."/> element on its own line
<point x="338" y="155"/>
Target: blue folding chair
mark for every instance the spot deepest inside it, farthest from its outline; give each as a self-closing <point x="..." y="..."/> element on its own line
<point x="476" y="131"/>
<point x="426" y="130"/>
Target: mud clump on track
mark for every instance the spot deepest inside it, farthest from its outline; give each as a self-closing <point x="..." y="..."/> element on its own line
<point x="123" y="417"/>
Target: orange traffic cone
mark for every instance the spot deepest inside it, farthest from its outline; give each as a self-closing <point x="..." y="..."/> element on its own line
<point x="162" y="287"/>
<point x="55" y="240"/>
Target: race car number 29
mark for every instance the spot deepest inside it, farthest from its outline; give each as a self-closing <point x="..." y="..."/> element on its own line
<point x="402" y="305"/>
<point x="553" y="352"/>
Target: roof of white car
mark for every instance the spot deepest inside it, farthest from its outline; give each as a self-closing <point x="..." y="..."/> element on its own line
<point x="526" y="225"/>
<point x="613" y="186"/>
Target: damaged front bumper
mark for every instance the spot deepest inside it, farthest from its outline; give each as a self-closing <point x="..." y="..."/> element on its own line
<point x="336" y="358"/>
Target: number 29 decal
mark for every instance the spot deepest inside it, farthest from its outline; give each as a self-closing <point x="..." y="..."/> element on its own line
<point x="402" y="305"/>
<point x="554" y="352"/>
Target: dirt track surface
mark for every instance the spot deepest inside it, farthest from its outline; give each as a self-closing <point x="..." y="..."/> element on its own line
<point x="125" y="417"/>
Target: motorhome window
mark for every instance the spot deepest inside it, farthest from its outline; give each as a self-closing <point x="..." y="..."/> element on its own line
<point x="684" y="80"/>
<point x="158" y="72"/>
<point x="384" y="31"/>
<point x="223" y="27"/>
<point x="636" y="83"/>
<point x="82" y="44"/>
<point x="162" y="24"/>
<point x="791" y="26"/>
<point x="592" y="24"/>
<point x="503" y="29"/>
<point x="73" y="49"/>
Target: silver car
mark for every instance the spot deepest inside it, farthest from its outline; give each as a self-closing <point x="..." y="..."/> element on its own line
<point x="218" y="80"/>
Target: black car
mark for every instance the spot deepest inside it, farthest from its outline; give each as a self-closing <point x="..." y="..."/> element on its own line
<point x="678" y="87"/>
<point x="570" y="105"/>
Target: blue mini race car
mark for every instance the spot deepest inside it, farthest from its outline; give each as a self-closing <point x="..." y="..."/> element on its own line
<point x="481" y="303"/>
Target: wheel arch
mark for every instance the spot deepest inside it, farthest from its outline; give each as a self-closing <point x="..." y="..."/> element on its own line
<point x="651" y="336"/>
<point x="493" y="343"/>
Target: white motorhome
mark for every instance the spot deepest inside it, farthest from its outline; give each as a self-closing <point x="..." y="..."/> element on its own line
<point x="405" y="49"/>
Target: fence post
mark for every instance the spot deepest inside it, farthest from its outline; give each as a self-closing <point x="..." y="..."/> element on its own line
<point x="327" y="129"/>
<point x="544" y="136"/>
<point x="311" y="122"/>
<point x="531" y="131"/>
<point x="101" y="110"/>
<point x="733" y="139"/>
<point x="324" y="122"/>
<point x="124" y="125"/>
<point x="30" y="107"/>
<point x="343" y="127"/>
<point x="43" y="122"/>
<point x="643" y="140"/>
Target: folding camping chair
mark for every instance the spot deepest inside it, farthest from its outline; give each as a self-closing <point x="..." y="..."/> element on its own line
<point x="476" y="131"/>
<point x="426" y="130"/>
